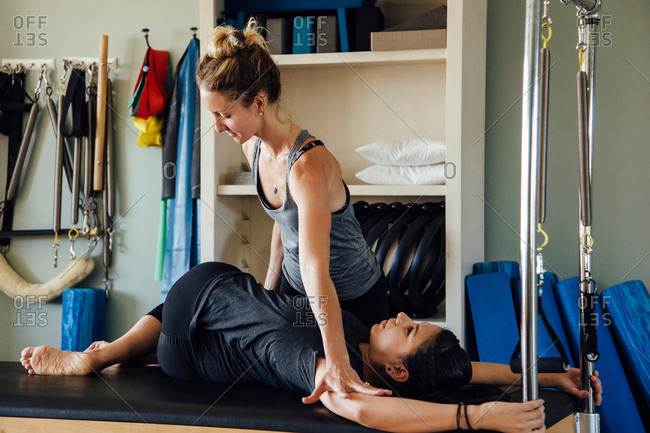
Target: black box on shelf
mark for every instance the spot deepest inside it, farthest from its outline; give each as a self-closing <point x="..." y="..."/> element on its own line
<point x="279" y="35"/>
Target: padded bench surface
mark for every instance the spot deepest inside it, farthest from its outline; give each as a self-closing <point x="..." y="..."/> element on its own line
<point x="146" y="395"/>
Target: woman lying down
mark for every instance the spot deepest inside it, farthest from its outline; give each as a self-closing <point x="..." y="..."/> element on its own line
<point x="218" y="324"/>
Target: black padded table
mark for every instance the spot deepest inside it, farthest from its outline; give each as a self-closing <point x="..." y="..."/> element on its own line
<point x="148" y="400"/>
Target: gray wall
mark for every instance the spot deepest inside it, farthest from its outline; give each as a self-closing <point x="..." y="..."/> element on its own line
<point x="72" y="28"/>
<point x="621" y="203"/>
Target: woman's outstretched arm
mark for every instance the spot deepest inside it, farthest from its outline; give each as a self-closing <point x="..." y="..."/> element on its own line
<point x="397" y="414"/>
<point x="569" y="382"/>
<point x="312" y="177"/>
<point x="141" y="340"/>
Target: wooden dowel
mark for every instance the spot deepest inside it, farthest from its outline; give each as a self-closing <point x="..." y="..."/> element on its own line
<point x="98" y="172"/>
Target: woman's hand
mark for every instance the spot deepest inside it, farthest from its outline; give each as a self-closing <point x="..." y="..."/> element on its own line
<point x="341" y="378"/>
<point x="571" y="383"/>
<point x="507" y="417"/>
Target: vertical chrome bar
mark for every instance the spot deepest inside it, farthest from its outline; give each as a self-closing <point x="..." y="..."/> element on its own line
<point x="529" y="167"/>
<point x="589" y="66"/>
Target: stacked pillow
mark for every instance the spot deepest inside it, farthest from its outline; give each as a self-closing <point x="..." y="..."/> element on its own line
<point x="411" y="161"/>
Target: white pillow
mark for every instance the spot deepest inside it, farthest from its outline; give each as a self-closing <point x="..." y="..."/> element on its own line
<point x="403" y="175"/>
<point x="407" y="151"/>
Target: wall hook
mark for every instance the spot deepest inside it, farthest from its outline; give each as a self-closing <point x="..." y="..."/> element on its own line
<point x="146" y="36"/>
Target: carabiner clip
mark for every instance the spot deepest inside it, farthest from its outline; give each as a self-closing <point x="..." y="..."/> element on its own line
<point x="62" y="79"/>
<point x="72" y="235"/>
<point x="37" y="90"/>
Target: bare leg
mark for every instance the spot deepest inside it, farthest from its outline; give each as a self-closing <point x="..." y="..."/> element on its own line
<point x="139" y="341"/>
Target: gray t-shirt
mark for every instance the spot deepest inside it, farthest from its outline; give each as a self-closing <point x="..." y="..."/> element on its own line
<point x="245" y="332"/>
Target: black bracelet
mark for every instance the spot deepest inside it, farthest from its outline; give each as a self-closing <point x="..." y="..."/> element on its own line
<point x="460" y="405"/>
<point x="469" y="427"/>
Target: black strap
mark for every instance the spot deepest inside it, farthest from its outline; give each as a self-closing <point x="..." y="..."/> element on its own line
<point x="589" y="336"/>
<point x="12" y="108"/>
<point x="548" y="364"/>
<point x="75" y="95"/>
<point x="305" y="148"/>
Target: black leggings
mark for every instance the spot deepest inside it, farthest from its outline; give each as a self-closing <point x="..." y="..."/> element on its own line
<point x="370" y="308"/>
<point x="175" y="348"/>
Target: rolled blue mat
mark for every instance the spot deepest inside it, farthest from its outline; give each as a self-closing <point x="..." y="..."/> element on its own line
<point x="82" y="320"/>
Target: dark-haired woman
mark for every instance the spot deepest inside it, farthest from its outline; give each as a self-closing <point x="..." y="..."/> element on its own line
<point x="207" y="330"/>
<point x="317" y="247"/>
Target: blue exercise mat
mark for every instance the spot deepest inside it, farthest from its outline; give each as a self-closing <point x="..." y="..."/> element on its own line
<point x="629" y="306"/>
<point x="493" y="313"/>
<point x="618" y="412"/>
<point x="545" y="344"/>
<point x="510" y="268"/>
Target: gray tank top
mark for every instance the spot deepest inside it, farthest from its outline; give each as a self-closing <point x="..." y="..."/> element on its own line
<point x="353" y="266"/>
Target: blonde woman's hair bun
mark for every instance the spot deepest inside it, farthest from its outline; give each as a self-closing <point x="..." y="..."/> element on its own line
<point x="238" y="63"/>
<point x="226" y="41"/>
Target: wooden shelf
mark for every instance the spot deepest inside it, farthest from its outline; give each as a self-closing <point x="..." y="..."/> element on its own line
<point x="355" y="190"/>
<point x="401" y="57"/>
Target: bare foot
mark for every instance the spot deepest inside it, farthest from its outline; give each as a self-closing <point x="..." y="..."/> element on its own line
<point x="47" y="360"/>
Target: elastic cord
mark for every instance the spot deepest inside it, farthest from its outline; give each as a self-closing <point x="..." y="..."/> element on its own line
<point x="460" y="405"/>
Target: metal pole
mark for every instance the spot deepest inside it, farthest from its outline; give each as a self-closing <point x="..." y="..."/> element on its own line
<point x="588" y="420"/>
<point x="585" y="256"/>
<point x="530" y="126"/>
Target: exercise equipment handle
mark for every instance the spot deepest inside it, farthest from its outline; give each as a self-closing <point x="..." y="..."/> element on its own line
<point x="98" y="173"/>
<point x="544" y="365"/>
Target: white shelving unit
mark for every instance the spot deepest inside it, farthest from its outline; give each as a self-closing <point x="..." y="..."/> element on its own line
<point x="350" y="99"/>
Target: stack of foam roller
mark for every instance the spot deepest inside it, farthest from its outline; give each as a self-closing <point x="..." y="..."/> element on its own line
<point x="409" y="242"/>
